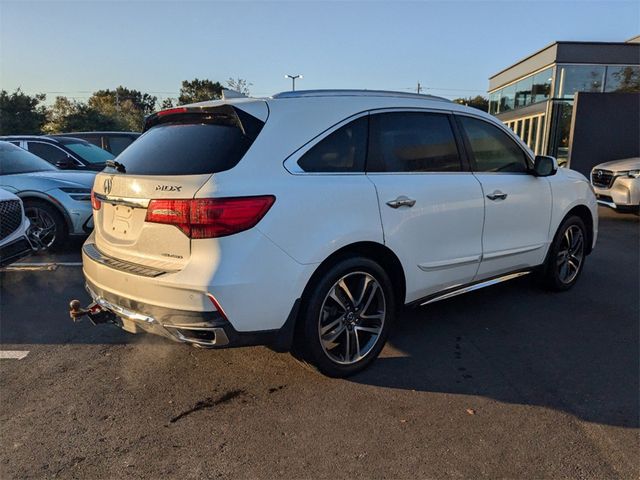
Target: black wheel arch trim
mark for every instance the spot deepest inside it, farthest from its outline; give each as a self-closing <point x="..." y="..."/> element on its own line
<point x="35" y="195"/>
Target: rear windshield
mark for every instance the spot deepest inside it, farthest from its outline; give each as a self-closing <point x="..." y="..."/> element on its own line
<point x="185" y="149"/>
<point x="16" y="160"/>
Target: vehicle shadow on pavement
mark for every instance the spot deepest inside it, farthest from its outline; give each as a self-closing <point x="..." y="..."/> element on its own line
<point x="575" y="351"/>
<point x="34" y="309"/>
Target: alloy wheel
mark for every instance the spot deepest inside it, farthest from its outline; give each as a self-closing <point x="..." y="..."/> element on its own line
<point x="42" y="231"/>
<point x="570" y="254"/>
<point x="352" y="318"/>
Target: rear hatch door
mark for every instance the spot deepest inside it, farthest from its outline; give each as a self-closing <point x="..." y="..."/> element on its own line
<point x="176" y="156"/>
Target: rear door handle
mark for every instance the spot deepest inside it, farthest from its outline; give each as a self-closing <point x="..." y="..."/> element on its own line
<point x="401" y="201"/>
<point x="497" y="195"/>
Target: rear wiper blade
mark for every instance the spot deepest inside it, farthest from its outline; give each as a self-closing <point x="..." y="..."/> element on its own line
<point x="117" y="166"/>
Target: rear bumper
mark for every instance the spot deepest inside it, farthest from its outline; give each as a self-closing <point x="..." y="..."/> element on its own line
<point x="201" y="329"/>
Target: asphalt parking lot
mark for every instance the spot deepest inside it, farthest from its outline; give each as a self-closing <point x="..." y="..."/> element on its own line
<point x="505" y="382"/>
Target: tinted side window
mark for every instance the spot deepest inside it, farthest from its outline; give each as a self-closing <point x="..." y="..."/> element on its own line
<point x="118" y="144"/>
<point x="342" y="151"/>
<point x="412" y="142"/>
<point x="50" y="153"/>
<point x="493" y="149"/>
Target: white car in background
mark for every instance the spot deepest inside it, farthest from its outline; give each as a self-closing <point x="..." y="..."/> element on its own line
<point x="309" y="218"/>
<point x="617" y="184"/>
<point x="14" y="243"/>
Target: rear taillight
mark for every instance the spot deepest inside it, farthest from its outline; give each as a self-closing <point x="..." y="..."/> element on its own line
<point x="210" y="217"/>
<point x="95" y="202"/>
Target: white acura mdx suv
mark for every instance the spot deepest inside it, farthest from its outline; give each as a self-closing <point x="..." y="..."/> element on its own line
<point x="306" y="220"/>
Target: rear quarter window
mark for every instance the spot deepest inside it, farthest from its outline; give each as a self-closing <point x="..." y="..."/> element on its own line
<point x="185" y="149"/>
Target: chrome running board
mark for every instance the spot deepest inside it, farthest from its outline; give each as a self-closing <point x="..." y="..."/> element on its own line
<point x="475" y="286"/>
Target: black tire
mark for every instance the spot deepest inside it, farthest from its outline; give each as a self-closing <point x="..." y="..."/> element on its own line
<point x="356" y="271"/>
<point x="31" y="207"/>
<point x="552" y="275"/>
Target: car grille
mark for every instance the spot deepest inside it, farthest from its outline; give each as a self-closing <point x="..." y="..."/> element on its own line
<point x="602" y="178"/>
<point x="10" y="217"/>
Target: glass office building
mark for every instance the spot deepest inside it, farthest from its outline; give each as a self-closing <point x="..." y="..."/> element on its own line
<point x="535" y="96"/>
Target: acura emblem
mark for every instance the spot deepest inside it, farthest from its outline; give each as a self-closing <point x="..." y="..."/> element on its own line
<point x="107" y="185"/>
<point x="599" y="173"/>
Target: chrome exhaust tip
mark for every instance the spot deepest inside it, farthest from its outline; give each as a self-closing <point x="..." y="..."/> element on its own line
<point x="199" y="336"/>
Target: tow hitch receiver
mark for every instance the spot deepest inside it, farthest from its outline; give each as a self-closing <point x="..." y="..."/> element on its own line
<point x="93" y="311"/>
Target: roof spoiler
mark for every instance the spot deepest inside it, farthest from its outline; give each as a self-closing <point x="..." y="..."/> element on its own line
<point x="221" y="115"/>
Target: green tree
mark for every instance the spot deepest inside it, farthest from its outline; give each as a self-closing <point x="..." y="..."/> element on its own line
<point x="120" y="96"/>
<point x="126" y="107"/>
<point x="479" y="102"/>
<point x="198" y="90"/>
<point x="239" y="85"/>
<point x="167" y="103"/>
<point x="21" y="113"/>
<point x="70" y="116"/>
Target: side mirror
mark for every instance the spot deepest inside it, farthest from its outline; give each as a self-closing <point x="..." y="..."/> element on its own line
<point x="545" y="166"/>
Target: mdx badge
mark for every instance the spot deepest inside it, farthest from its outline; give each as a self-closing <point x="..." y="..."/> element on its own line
<point x="168" y="188"/>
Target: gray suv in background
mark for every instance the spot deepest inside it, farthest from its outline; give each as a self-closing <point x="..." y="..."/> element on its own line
<point x="65" y="153"/>
<point x="114" y="142"/>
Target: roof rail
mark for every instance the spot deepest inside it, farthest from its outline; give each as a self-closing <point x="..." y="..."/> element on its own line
<point x="356" y="93"/>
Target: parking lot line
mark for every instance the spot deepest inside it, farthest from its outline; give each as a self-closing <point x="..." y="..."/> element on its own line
<point x="41" y="266"/>
<point x="13" y="354"/>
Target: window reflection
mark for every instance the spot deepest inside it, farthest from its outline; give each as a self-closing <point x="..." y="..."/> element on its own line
<point x="494" y="101"/>
<point x="523" y="92"/>
<point x="507" y="98"/>
<point x="623" y="79"/>
<point x="580" y="78"/>
<point x="541" y="88"/>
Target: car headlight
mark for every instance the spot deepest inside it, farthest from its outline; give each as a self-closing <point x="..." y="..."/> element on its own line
<point x="633" y="173"/>
<point x="78" y="194"/>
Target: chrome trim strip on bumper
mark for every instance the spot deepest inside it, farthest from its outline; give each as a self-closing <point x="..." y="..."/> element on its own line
<point x="475" y="286"/>
<point x="607" y="204"/>
<point x="126" y="201"/>
<point x="96" y="255"/>
<point x="172" y="331"/>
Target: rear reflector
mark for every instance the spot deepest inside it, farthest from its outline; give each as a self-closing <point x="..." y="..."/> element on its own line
<point x="210" y="217"/>
<point x="95" y="202"/>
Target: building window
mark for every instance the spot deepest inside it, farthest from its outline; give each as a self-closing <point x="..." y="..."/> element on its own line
<point x="523" y="92"/>
<point x="494" y="102"/>
<point x="541" y="89"/>
<point x="622" y="79"/>
<point x="507" y="98"/>
<point x="579" y="78"/>
<point x="561" y="129"/>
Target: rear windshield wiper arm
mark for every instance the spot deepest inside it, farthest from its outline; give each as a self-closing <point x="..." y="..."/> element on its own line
<point x="117" y="166"/>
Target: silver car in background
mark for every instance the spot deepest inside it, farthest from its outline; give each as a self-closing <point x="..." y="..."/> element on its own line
<point x="617" y="184"/>
<point x="57" y="202"/>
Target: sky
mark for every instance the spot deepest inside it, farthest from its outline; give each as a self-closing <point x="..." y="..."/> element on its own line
<point x="76" y="47"/>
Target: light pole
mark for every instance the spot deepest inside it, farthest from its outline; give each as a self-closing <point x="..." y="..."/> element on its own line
<point x="293" y="80"/>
